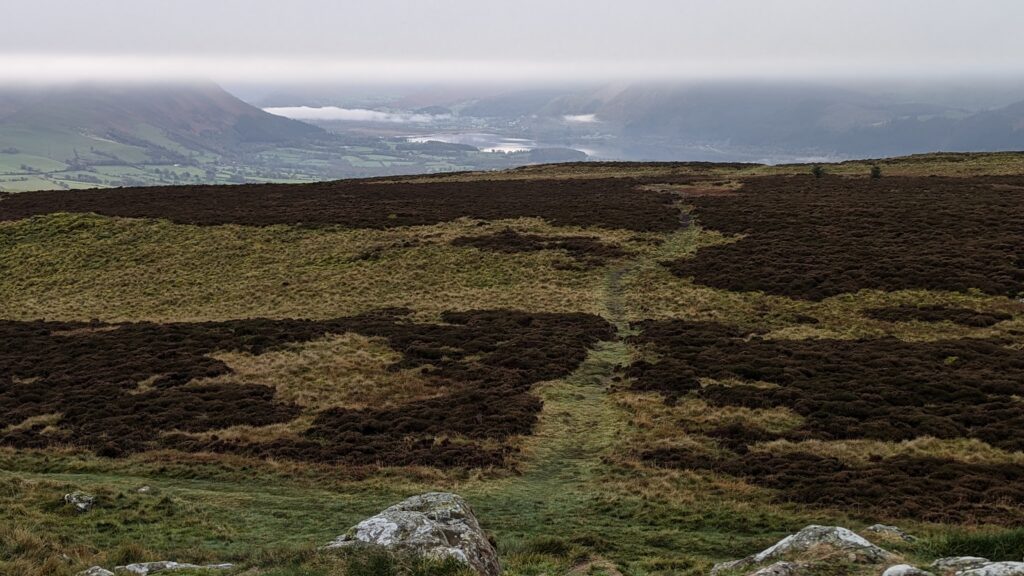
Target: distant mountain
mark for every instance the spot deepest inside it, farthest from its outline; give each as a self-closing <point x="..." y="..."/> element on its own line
<point x="756" y="121"/>
<point x="134" y="123"/>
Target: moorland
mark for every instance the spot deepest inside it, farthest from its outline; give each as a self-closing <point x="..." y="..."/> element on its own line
<point x="627" y="368"/>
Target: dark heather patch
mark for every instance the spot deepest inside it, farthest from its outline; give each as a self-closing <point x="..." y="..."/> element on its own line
<point x="91" y="373"/>
<point x="587" y="250"/>
<point x="607" y="203"/>
<point x="883" y="389"/>
<point x="813" y="238"/>
<point x="938" y="313"/>
<point x="927" y="489"/>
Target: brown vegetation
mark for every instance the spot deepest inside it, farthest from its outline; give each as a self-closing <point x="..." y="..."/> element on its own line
<point x="883" y="389"/>
<point x="132" y="387"/>
<point x="587" y="250"/>
<point x="815" y="238"/>
<point x="929" y="489"/>
<point x="607" y="203"/>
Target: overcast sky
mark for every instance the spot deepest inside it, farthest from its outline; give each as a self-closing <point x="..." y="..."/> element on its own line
<point x="412" y="40"/>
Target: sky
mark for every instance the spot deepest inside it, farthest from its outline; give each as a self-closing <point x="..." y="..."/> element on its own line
<point x="511" y="40"/>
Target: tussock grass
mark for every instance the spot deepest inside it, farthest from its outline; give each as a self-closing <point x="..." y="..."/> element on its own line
<point x="660" y="423"/>
<point x="81" y="267"/>
<point x="968" y="450"/>
<point x="1001" y="545"/>
<point x="347" y="370"/>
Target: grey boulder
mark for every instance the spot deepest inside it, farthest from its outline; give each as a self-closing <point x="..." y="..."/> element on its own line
<point x="836" y="537"/>
<point x="435" y="525"/>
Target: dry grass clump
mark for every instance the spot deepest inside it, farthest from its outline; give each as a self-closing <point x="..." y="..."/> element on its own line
<point x="660" y="422"/>
<point x="862" y="451"/>
<point x="348" y="370"/>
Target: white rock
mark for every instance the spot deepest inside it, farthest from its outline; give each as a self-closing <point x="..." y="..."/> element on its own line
<point x="813" y="536"/>
<point x="905" y="570"/>
<point x="890" y="531"/>
<point x="781" y="569"/>
<point x="145" y="568"/>
<point x="995" y="569"/>
<point x="435" y="524"/>
<point x="95" y="571"/>
<point x="958" y="563"/>
<point x="80" y="500"/>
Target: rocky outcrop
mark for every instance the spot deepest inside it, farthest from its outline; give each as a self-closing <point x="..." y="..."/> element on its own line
<point x="435" y="524"/>
<point x="814" y="537"/>
<point x="82" y="501"/>
<point x="146" y="568"/>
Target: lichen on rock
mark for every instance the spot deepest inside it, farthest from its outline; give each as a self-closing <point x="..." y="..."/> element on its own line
<point x="436" y="525"/>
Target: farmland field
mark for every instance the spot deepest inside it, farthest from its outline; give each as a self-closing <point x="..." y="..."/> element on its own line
<point x="626" y="368"/>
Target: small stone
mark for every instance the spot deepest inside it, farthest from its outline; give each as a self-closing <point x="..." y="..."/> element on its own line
<point x="95" y="571"/>
<point x="782" y="569"/>
<point x="82" y="501"/>
<point x="958" y="563"/>
<point x="887" y="531"/>
<point x="995" y="569"/>
<point x="146" y="568"/>
<point x="905" y="570"/>
<point x="144" y="490"/>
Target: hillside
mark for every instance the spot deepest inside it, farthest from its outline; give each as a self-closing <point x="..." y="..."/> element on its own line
<point x="637" y="369"/>
<point x="83" y="134"/>
<point x="162" y="119"/>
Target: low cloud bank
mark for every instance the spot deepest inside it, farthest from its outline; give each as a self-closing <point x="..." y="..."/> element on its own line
<point x="349" y="114"/>
<point x="581" y="118"/>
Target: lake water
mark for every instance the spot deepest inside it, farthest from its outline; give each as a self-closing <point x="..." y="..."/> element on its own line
<point x="484" y="141"/>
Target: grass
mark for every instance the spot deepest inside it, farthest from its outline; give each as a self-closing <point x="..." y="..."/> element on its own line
<point x="84" y="267"/>
<point x="348" y="370"/>
<point x="1004" y="545"/>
